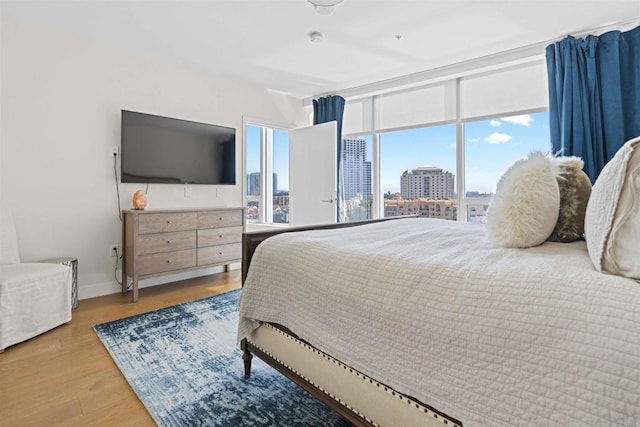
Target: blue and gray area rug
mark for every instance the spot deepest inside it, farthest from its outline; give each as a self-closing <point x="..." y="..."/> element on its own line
<point x="185" y="366"/>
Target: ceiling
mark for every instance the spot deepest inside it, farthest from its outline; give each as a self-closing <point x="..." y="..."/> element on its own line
<point x="266" y="42"/>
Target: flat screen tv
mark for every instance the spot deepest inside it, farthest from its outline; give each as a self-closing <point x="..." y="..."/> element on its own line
<point x="158" y="149"/>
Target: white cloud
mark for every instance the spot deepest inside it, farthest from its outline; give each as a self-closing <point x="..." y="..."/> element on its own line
<point x="498" y="138"/>
<point x="495" y="123"/>
<point x="524" y="119"/>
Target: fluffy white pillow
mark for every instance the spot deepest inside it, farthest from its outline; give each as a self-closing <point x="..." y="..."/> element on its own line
<point x="612" y="219"/>
<point x="524" y="210"/>
<point x="8" y="241"/>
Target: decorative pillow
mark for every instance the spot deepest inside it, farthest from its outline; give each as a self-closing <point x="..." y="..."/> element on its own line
<point x="575" y="189"/>
<point x="612" y="219"/>
<point x="524" y="210"/>
<point x="8" y="241"/>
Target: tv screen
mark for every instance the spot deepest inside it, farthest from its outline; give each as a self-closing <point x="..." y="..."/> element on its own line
<point x="159" y="149"/>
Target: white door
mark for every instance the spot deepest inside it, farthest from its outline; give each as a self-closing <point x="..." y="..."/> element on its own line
<point x="312" y="175"/>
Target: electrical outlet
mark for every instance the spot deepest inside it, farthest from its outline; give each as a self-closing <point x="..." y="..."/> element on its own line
<point x="115" y="151"/>
<point x="114" y="250"/>
<point x="218" y="192"/>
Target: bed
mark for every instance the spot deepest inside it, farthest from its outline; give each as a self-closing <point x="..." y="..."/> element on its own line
<point x="420" y="321"/>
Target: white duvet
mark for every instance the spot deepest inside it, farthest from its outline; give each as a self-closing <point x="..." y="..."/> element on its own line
<point x="489" y="336"/>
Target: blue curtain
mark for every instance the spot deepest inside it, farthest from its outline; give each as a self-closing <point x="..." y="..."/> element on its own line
<point x="594" y="96"/>
<point x="325" y="110"/>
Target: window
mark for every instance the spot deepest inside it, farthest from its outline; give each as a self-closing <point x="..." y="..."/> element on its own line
<point x="267" y="166"/>
<point x="446" y="144"/>
<point x="280" y="205"/>
<point x="491" y="146"/>
<point x="357" y="177"/>
<point x="417" y="168"/>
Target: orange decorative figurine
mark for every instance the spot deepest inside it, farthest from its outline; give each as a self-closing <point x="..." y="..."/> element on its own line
<point x="139" y="200"/>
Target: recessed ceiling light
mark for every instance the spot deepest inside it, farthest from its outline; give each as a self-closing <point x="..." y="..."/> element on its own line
<point x="324" y="2"/>
<point x="324" y="7"/>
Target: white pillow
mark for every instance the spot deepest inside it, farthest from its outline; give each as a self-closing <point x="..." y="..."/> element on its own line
<point x="524" y="210"/>
<point x="612" y="219"/>
<point x="9" y="253"/>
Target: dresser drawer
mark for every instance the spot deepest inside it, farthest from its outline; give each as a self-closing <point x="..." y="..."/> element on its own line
<point x="165" y="242"/>
<point x="218" y="254"/>
<point x="219" y="236"/>
<point x="166" y="261"/>
<point x="166" y="222"/>
<point x="170" y="241"/>
<point x="220" y="218"/>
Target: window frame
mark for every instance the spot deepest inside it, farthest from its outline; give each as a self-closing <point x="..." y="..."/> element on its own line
<point x="463" y="203"/>
<point x="265" y="207"/>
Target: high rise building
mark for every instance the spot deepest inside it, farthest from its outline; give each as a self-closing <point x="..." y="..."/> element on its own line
<point x="427" y="182"/>
<point x="253" y="184"/>
<point x="356" y="169"/>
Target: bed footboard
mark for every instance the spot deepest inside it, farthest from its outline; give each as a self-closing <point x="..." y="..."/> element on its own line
<point x="357" y="398"/>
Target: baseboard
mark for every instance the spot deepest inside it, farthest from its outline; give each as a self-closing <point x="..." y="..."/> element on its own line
<point x="97" y="286"/>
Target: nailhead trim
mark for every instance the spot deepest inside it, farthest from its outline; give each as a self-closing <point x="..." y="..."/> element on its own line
<point x="351" y="370"/>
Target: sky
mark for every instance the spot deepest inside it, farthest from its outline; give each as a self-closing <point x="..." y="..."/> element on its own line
<point x="491" y="146"/>
<point x="280" y="157"/>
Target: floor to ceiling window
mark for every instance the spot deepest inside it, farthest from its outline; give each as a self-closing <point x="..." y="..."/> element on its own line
<point x="436" y="150"/>
<point x="417" y="172"/>
<point x="267" y="168"/>
<point x="280" y="173"/>
<point x="357" y="170"/>
<point x="491" y="146"/>
<point x="440" y="149"/>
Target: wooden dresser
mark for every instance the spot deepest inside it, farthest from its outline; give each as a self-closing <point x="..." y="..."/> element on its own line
<point x="169" y="241"/>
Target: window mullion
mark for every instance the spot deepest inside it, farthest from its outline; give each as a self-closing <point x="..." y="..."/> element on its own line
<point x="267" y="176"/>
<point x="460" y="166"/>
<point x="263" y="162"/>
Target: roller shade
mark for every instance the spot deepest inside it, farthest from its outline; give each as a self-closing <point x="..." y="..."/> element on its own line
<point x="518" y="88"/>
<point x="357" y="117"/>
<point x="418" y="106"/>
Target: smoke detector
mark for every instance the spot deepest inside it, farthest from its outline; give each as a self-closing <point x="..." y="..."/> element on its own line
<point x="316" y="37"/>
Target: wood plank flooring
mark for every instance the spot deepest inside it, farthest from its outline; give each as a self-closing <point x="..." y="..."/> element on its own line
<point x="65" y="377"/>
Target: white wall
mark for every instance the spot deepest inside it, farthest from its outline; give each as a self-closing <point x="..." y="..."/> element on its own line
<point x="60" y="102"/>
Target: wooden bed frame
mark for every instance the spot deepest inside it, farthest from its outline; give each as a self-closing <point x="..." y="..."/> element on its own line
<point x="426" y="415"/>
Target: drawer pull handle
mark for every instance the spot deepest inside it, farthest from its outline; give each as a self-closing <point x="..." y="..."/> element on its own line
<point x="221" y="236"/>
<point x="169" y="241"/>
<point x="168" y="261"/>
<point x="221" y="218"/>
<point x="169" y="222"/>
<point x="220" y="253"/>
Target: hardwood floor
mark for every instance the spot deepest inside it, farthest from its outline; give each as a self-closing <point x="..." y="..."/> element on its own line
<point x="66" y="377"/>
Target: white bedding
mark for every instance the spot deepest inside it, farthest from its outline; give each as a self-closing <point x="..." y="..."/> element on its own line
<point x="489" y="336"/>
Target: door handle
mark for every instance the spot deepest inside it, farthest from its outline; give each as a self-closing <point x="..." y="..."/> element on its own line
<point x="328" y="201"/>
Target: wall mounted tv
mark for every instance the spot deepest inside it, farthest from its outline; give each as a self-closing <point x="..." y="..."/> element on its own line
<point x="163" y="150"/>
